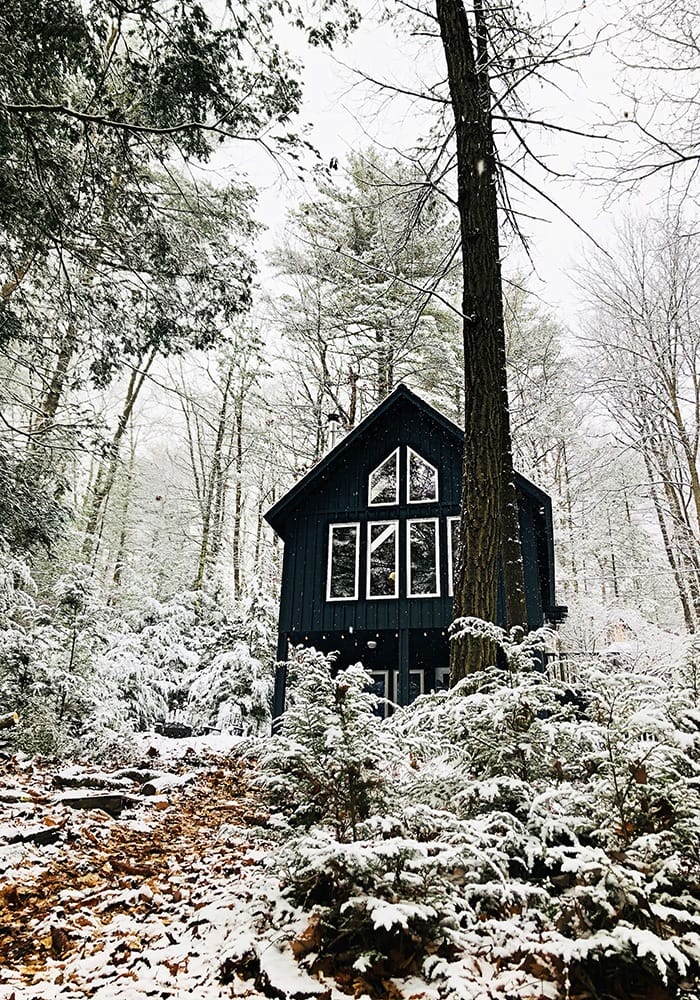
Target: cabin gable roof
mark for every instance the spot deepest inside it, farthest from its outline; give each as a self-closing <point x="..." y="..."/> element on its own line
<point x="333" y="461"/>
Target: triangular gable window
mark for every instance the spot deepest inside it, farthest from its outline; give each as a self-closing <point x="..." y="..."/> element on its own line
<point x="422" y="479"/>
<point x="384" y="482"/>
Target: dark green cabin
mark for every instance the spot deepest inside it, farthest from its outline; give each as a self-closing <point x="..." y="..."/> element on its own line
<point x="369" y="535"/>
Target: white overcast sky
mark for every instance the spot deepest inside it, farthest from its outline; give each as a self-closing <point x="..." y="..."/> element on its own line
<point x="345" y="115"/>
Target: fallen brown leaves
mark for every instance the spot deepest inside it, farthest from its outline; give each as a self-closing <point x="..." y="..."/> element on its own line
<point x="105" y="866"/>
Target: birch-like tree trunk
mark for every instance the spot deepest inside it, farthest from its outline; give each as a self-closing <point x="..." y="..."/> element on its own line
<point x="212" y="484"/>
<point x="98" y="498"/>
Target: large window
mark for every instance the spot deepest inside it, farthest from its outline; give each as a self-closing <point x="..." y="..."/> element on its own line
<point x="452" y="551"/>
<point x="343" y="562"/>
<point x="384" y="482"/>
<point x="423" y="558"/>
<point x="382" y="559"/>
<point x="422" y="479"/>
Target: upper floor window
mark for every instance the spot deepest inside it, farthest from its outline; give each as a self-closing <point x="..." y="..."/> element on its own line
<point x="343" y="562"/>
<point x="422" y="479"/>
<point x="384" y="482"/>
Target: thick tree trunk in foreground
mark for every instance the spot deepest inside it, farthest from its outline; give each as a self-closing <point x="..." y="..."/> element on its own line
<point x="487" y="493"/>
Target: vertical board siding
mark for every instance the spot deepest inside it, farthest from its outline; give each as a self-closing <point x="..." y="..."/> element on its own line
<point x="339" y="493"/>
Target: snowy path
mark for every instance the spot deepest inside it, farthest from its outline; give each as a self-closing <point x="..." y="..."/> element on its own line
<point x="147" y="904"/>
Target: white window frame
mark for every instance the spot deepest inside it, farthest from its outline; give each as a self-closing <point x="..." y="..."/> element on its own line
<point x="329" y="563"/>
<point x="385" y="503"/>
<point x="383" y="597"/>
<point x="387" y="700"/>
<point x="410" y="452"/>
<point x="411" y="673"/>
<point x="423" y="520"/>
<point x="450" y="556"/>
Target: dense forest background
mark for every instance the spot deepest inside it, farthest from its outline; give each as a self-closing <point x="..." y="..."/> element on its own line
<point x="164" y="381"/>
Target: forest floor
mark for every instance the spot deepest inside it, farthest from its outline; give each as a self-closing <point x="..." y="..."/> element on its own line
<point x="155" y="899"/>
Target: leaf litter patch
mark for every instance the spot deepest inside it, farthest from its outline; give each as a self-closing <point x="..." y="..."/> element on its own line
<point x="151" y="897"/>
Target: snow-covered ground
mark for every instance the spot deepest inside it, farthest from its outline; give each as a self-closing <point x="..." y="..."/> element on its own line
<point x="170" y="898"/>
<point x="151" y="902"/>
<point x="475" y="846"/>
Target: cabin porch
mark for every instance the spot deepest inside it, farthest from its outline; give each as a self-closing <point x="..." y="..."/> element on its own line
<point x="425" y="655"/>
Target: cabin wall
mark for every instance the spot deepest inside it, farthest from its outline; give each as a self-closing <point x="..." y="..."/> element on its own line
<point x="342" y="496"/>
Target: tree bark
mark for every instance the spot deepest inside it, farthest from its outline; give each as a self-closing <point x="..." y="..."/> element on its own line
<point x="49" y="405"/>
<point x="238" y="497"/>
<point x="569" y="506"/>
<point x="213" y="478"/>
<point x="686" y="603"/>
<point x="106" y="475"/>
<point x="487" y="491"/>
<point x="121" y="547"/>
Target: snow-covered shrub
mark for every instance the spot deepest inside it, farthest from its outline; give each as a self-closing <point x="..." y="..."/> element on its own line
<point x="521" y="650"/>
<point x="47" y="667"/>
<point x="146" y="663"/>
<point x="597" y="794"/>
<point x="620" y="635"/>
<point x="327" y="766"/>
<point x="194" y="655"/>
<point x="530" y="838"/>
<point x="377" y="880"/>
<point x="687" y="673"/>
<point x="17" y="607"/>
<point x="84" y="673"/>
<point x="232" y="692"/>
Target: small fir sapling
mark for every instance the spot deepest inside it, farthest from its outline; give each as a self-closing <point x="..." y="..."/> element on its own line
<point x="229" y="684"/>
<point x="17" y="649"/>
<point x="232" y="692"/>
<point x="326" y="766"/>
<point x="71" y="632"/>
<point x="687" y="671"/>
<point x="377" y="873"/>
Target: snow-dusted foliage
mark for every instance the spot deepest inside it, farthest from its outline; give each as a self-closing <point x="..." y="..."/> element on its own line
<point x="232" y="692"/>
<point x="328" y="766"/>
<point x="518" y="835"/>
<point x="620" y="634"/>
<point x="49" y="656"/>
<point x="83" y="675"/>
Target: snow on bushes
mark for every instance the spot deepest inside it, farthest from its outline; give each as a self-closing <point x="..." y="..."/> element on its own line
<point x="84" y="675"/>
<point x="513" y="836"/>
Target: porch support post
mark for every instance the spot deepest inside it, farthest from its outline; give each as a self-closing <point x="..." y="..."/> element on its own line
<point x="402" y="694"/>
<point x="280" y="695"/>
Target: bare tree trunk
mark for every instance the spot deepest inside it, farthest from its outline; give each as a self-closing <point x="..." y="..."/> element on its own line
<point x="569" y="519"/>
<point x="106" y="475"/>
<point x="686" y="603"/>
<point x="613" y="560"/>
<point x="487" y="493"/>
<point x="238" y="498"/>
<point x="259" y="510"/>
<point x="121" y="547"/>
<point x="210" y="492"/>
<point x="353" y="378"/>
<point x="51" y="400"/>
